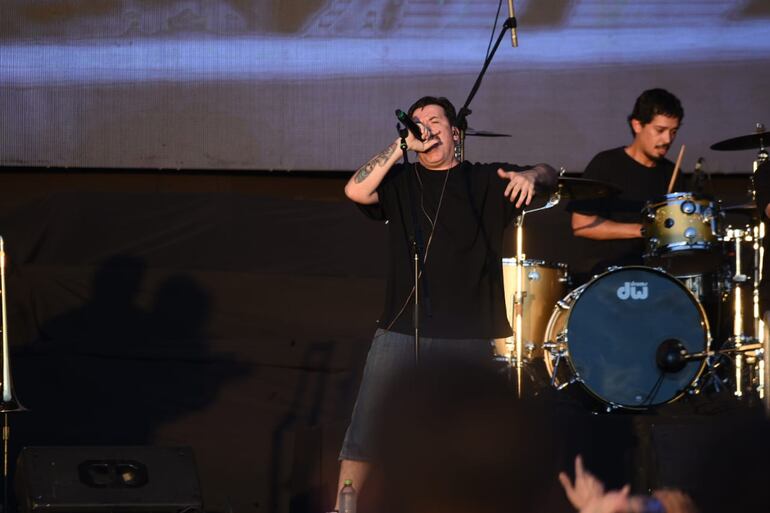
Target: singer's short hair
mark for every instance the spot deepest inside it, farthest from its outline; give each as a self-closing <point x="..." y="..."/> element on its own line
<point x="442" y="102"/>
<point x="653" y="102"/>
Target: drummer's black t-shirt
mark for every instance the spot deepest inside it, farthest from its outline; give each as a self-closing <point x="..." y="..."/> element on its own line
<point x="638" y="184"/>
<point x="762" y="188"/>
<point x="464" y="263"/>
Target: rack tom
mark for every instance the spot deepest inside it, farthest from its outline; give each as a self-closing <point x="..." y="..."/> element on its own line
<point x="682" y="231"/>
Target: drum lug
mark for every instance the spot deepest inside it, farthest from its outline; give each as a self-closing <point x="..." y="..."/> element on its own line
<point x="565" y="385"/>
<point x="533" y="276"/>
<point x="687" y="207"/>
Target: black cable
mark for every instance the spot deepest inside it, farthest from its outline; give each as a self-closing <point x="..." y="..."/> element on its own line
<point x="494" y="26"/>
<point x="655" y="389"/>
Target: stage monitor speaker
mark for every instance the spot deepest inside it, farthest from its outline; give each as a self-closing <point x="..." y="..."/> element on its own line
<point x="107" y="480"/>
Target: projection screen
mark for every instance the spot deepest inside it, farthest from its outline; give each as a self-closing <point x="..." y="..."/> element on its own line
<point x="312" y="85"/>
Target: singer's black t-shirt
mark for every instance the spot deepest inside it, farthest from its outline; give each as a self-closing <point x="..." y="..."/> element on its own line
<point x="463" y="268"/>
<point x="638" y="184"/>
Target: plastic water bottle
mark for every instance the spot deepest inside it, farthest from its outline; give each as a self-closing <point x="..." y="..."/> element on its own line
<point x="348" y="498"/>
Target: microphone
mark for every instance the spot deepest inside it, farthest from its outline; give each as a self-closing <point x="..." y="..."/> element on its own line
<point x="408" y="123"/>
<point x="512" y="16"/>
<point x="671" y="355"/>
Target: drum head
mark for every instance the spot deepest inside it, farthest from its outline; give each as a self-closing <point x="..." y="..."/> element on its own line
<point x="615" y="329"/>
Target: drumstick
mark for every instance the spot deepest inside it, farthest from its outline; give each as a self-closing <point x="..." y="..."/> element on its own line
<point x="676" y="170"/>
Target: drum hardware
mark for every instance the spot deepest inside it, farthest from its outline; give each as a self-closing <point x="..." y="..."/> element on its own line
<point x="9" y="403"/>
<point x="749" y="362"/>
<point x="739" y="281"/>
<point x="753" y="378"/>
<point x="514" y="346"/>
<point x="558" y="351"/>
<point x="763" y="367"/>
<point x="710" y="376"/>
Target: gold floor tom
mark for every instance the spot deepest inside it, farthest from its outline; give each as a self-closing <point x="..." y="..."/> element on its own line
<point x="543" y="284"/>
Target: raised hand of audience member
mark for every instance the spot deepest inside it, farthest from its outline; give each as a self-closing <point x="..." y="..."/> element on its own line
<point x="614" y="501"/>
<point x="585" y="488"/>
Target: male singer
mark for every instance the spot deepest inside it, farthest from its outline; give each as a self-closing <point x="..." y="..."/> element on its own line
<point x="456" y="212"/>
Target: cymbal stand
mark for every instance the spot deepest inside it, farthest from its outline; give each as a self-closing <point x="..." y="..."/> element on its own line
<point x="762" y="154"/>
<point x="738" y="337"/>
<point x="8" y="402"/>
<point x="759" y="323"/>
<point x="752" y="354"/>
<point x="515" y="343"/>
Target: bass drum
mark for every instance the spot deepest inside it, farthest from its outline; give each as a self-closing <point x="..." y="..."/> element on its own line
<point x="606" y="336"/>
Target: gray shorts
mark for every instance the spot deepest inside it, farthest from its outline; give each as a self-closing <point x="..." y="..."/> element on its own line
<point x="390" y="354"/>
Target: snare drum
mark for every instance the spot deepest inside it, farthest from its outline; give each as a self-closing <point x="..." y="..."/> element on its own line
<point x="543" y="284"/>
<point x="606" y="335"/>
<point x="682" y="224"/>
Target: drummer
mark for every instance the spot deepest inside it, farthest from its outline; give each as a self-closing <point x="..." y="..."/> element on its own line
<point x="641" y="172"/>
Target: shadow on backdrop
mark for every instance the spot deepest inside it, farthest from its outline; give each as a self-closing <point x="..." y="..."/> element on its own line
<point x="110" y="372"/>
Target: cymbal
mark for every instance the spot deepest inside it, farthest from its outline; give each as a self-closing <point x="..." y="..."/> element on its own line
<point x="742" y="208"/>
<point x="585" y="188"/>
<point x="744" y="142"/>
<point x="483" y="133"/>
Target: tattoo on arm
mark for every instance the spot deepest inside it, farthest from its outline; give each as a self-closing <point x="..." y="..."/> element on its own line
<point x="378" y="159"/>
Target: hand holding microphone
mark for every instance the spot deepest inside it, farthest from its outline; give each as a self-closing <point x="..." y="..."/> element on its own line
<point x="409" y="124"/>
<point x="420" y="132"/>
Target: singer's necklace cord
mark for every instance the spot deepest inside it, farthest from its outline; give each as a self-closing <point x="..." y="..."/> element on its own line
<point x="430" y="237"/>
<point x="438" y="207"/>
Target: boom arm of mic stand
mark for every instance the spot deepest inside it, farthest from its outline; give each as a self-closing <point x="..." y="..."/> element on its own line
<point x="464" y="111"/>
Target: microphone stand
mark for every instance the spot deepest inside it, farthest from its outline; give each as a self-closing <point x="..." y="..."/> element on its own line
<point x="515" y="356"/>
<point x="418" y="252"/>
<point x="464" y="111"/>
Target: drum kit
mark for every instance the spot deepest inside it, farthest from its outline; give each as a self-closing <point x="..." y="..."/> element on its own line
<point x="638" y="337"/>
